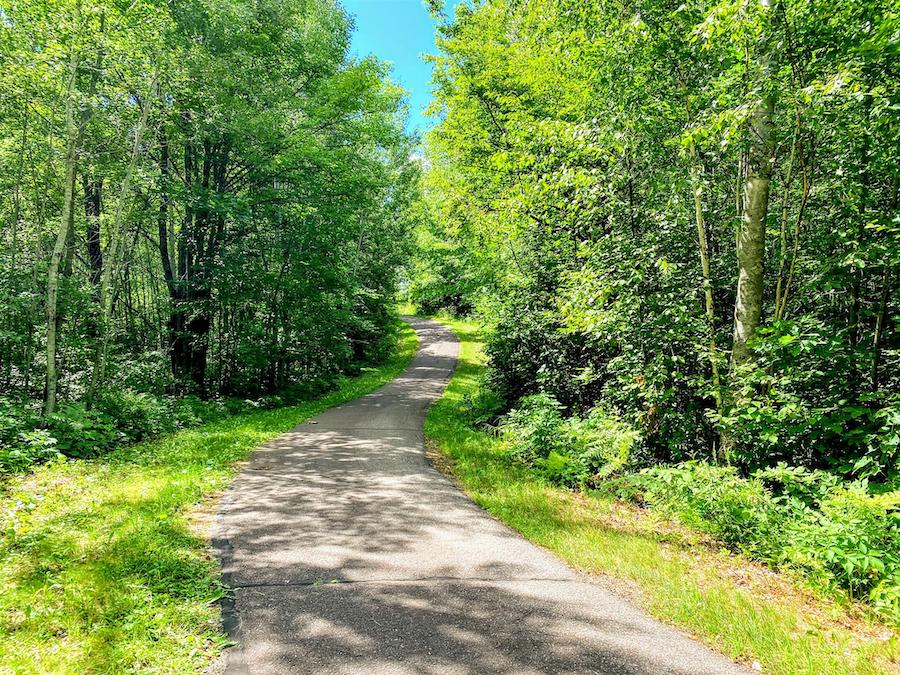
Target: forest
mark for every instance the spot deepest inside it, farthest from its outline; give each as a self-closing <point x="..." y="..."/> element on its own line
<point x="680" y="224"/>
<point x="689" y="216"/>
<point x="200" y="202"/>
<point x="674" y="228"/>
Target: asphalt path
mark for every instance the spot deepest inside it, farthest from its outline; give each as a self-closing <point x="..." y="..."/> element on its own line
<point x="349" y="553"/>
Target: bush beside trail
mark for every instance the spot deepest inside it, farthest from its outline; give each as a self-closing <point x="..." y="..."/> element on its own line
<point x="841" y="536"/>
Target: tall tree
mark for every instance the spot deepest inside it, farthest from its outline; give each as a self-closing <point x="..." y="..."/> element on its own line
<point x="751" y="237"/>
<point x="74" y="130"/>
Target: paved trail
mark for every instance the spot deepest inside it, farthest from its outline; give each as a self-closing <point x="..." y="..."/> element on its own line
<point x="350" y="554"/>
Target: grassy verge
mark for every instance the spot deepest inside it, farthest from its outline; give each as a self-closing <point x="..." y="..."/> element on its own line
<point x="102" y="567"/>
<point x="739" y="608"/>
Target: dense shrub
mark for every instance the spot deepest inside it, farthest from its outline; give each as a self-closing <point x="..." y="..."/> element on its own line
<point x="797" y="485"/>
<point x="482" y="408"/>
<point x="14" y="419"/>
<point x="191" y="411"/>
<point x="532" y="430"/>
<point x="836" y="534"/>
<point x="21" y="445"/>
<point x="852" y="542"/>
<point x="788" y="408"/>
<point x="716" y="500"/>
<point x="138" y="415"/>
<point x="530" y="354"/>
<point x="29" y="448"/>
<point x="80" y="432"/>
<point x="533" y="348"/>
<point x="568" y="451"/>
<point x="600" y="442"/>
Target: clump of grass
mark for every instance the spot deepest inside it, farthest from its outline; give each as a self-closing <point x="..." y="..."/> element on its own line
<point x="735" y="606"/>
<point x="100" y="570"/>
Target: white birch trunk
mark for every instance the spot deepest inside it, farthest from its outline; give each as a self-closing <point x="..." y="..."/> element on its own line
<point x="59" y="248"/>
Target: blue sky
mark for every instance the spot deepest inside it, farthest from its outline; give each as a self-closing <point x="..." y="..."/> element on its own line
<point x="399" y="31"/>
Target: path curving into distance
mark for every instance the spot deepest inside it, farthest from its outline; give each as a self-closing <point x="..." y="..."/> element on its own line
<point x="349" y="553"/>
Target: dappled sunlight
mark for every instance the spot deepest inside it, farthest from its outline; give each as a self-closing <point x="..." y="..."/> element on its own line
<point x="731" y="603"/>
<point x="347" y="551"/>
<point x="448" y="627"/>
<point x="100" y="569"/>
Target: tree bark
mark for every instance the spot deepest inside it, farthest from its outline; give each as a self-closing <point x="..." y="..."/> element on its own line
<point x="93" y="209"/>
<point x="189" y="326"/>
<point x="112" y="262"/>
<point x="751" y="239"/>
<point x="163" y="217"/>
<point x="865" y="180"/>
<point x="696" y="188"/>
<point x="880" y="319"/>
<point x="73" y="142"/>
<point x="93" y="187"/>
<point x="199" y="242"/>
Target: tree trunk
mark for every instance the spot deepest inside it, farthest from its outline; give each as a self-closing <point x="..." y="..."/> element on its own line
<point x="751" y="235"/>
<point x="162" y="221"/>
<point x="17" y="194"/>
<point x="189" y="326"/>
<point x="865" y="180"/>
<point x="751" y="239"/>
<point x="62" y="238"/>
<point x="880" y="319"/>
<point x="93" y="208"/>
<point x="112" y="262"/>
<point x="190" y="320"/>
<point x="696" y="188"/>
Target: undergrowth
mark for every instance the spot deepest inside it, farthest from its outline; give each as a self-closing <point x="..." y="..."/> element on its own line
<point x="100" y="566"/>
<point x="842" y="536"/>
<point x="724" y="599"/>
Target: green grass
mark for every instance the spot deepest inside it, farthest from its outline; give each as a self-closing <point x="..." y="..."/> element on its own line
<point x="103" y="566"/>
<point x="767" y="620"/>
